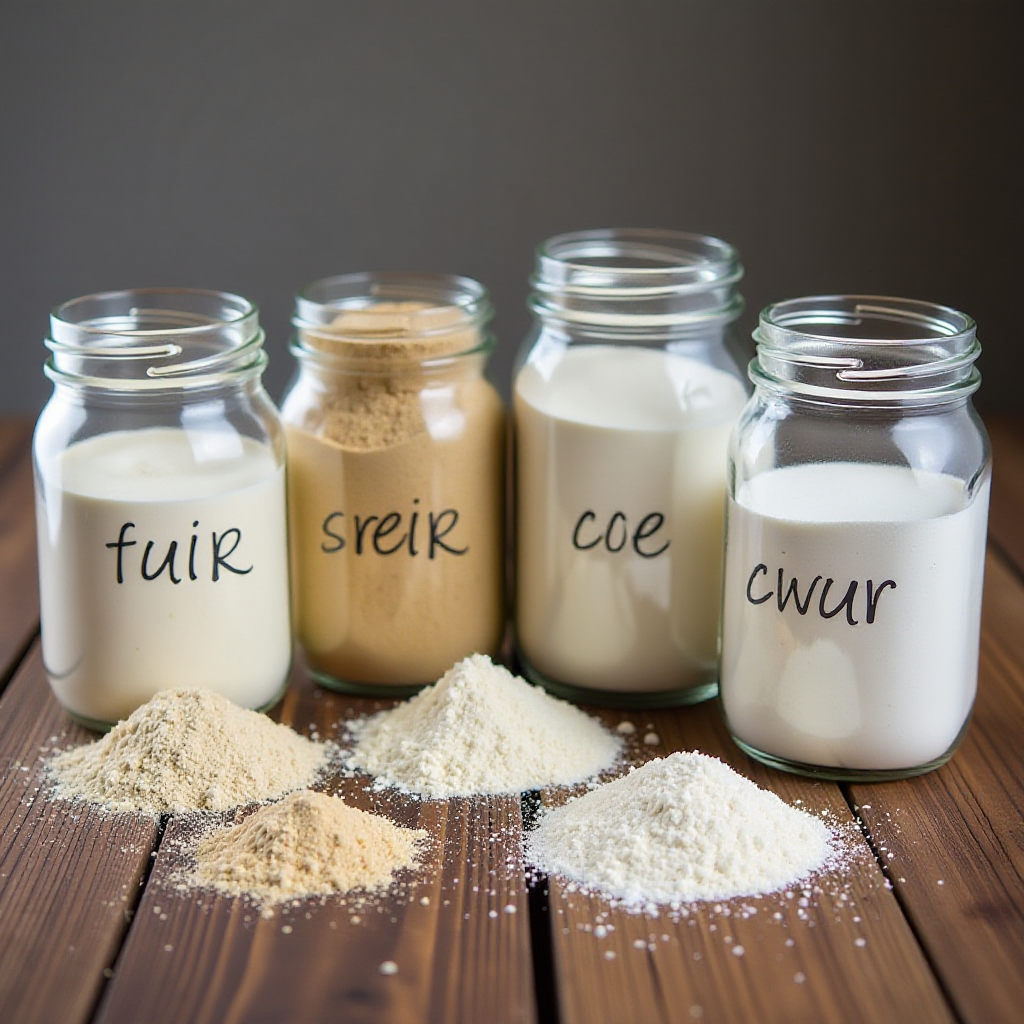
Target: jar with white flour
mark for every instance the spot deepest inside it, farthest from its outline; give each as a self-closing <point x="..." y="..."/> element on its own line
<point x="160" y="504"/>
<point x="859" y="486"/>
<point x="624" y="397"/>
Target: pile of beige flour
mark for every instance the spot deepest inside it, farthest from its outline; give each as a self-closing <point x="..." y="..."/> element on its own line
<point x="188" y="750"/>
<point x="680" y="829"/>
<point x="308" y="844"/>
<point x="480" y="729"/>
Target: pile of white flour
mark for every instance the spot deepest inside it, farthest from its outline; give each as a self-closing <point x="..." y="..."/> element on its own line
<point x="480" y="729"/>
<point x="680" y="829"/>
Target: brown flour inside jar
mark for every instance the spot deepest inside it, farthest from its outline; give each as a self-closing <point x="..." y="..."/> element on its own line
<point x="375" y="404"/>
<point x="396" y="497"/>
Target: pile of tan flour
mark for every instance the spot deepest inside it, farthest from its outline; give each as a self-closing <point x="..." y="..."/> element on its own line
<point x="188" y="750"/>
<point x="308" y="844"/>
<point x="680" y="829"/>
<point x="479" y="729"/>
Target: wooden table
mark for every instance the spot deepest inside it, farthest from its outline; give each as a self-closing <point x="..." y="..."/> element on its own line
<point x="926" y="923"/>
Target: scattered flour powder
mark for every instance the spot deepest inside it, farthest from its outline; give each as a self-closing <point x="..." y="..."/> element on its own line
<point x="188" y="750"/>
<point x="680" y="829"/>
<point x="480" y="729"/>
<point x="308" y="844"/>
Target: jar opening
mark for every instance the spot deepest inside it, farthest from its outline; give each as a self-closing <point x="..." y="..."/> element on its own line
<point x="140" y="339"/>
<point x="644" y="251"/>
<point x="865" y="347"/>
<point x="873" y="319"/>
<point x="624" y="279"/>
<point x="388" y="319"/>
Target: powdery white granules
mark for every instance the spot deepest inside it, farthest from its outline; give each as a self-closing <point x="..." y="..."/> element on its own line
<point x="188" y="750"/>
<point x="681" y="829"/>
<point x="308" y="844"/>
<point x="480" y="729"/>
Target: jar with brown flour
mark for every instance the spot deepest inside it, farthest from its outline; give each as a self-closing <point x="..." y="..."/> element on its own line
<point x="396" y="479"/>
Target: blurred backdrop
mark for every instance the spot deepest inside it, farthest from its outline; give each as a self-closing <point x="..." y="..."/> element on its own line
<point x="251" y="146"/>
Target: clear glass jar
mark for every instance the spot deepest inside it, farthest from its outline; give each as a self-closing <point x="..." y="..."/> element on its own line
<point x="858" y="501"/>
<point x="396" y="446"/>
<point x="160" y="504"/>
<point x="625" y="393"/>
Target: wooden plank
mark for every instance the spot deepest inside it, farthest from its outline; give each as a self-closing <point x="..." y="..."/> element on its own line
<point x="1006" y="513"/>
<point x="954" y="839"/>
<point x="69" y="875"/>
<point x="461" y="956"/>
<point x="841" y="954"/>
<point x="19" y="583"/>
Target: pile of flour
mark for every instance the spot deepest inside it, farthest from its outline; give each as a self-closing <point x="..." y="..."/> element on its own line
<point x="188" y="750"/>
<point x="680" y="829"/>
<point x="480" y="729"/>
<point x="308" y="844"/>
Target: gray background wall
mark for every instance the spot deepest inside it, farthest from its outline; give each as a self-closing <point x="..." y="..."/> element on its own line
<point x="251" y="146"/>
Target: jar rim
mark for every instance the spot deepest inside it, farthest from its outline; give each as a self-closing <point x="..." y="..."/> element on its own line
<point x="319" y="302"/>
<point x="615" y="281"/>
<point x="778" y="319"/>
<point x="140" y="339"/>
<point x="687" y="258"/>
<point x="384" y="321"/>
<point x="180" y="307"/>
<point x="925" y="355"/>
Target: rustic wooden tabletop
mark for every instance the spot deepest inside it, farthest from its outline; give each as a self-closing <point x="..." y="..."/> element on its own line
<point x="924" y="923"/>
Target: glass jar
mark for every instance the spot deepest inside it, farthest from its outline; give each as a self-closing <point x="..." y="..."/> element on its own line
<point x="625" y="393"/>
<point x="396" y="448"/>
<point x="858" y="499"/>
<point x="160" y="504"/>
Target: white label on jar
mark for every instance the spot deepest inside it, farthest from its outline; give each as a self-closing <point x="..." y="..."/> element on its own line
<point x="852" y="609"/>
<point x="621" y="456"/>
<point x="163" y="563"/>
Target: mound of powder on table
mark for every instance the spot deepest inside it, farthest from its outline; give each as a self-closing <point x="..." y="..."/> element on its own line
<point x="479" y="729"/>
<point x="188" y="750"/>
<point x="681" y="829"/>
<point x="308" y="844"/>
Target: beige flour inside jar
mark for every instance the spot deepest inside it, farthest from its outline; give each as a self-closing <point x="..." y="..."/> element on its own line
<point x="376" y="404"/>
<point x="396" y="496"/>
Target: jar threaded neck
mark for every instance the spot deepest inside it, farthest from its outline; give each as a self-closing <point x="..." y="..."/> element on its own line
<point x="626" y="280"/>
<point x="866" y="349"/>
<point x="153" y="339"/>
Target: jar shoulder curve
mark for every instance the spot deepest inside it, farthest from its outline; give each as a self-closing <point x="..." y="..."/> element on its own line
<point x="54" y="431"/>
<point x="490" y="398"/>
<point x="773" y="433"/>
<point x="259" y="419"/>
<point x="674" y="384"/>
<point x="227" y="425"/>
<point x="376" y="421"/>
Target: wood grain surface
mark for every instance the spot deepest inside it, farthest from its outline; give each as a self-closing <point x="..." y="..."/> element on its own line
<point x="19" y="589"/>
<point x="70" y="875"/>
<point x="1006" y="513"/>
<point x="952" y="841"/>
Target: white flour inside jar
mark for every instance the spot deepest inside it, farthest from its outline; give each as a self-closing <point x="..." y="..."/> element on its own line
<point x="681" y="829"/>
<point x="480" y="729"/>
